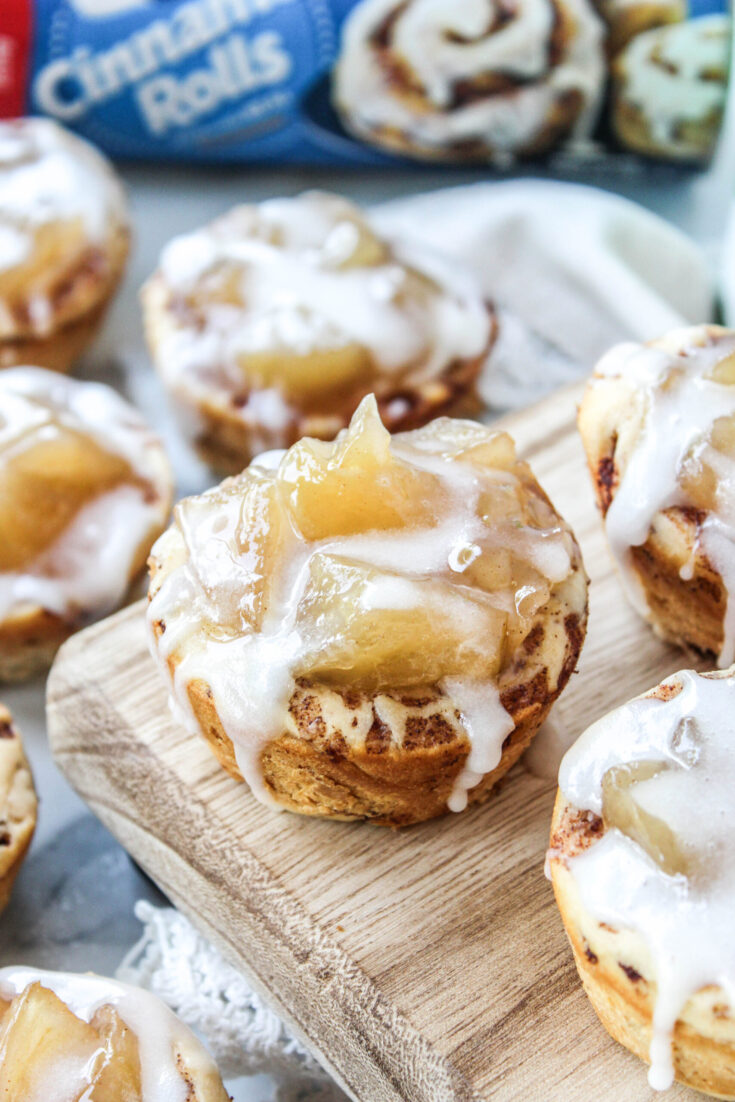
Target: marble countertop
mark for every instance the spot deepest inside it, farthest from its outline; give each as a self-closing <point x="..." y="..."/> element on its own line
<point x="73" y="904"/>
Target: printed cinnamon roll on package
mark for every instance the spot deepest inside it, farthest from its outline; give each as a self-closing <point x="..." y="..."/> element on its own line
<point x="373" y="81"/>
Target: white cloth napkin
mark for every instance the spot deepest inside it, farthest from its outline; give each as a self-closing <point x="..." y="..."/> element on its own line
<point x="572" y="271"/>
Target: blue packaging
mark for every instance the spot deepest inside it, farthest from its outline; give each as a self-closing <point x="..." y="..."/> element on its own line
<point x="366" y="82"/>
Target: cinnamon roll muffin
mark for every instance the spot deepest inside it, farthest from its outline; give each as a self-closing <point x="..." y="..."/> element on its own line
<point x="80" y="1037"/>
<point x="658" y="426"/>
<point x="643" y="869"/>
<point x="85" y="489"/>
<point x="627" y="18"/>
<point x="670" y="88"/>
<point x="478" y="80"/>
<point x="373" y="628"/>
<point x="276" y="320"/>
<point x="63" y="242"/>
<point x="18" y="805"/>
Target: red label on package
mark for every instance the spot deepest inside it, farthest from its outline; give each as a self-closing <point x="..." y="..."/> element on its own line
<point x="15" y="49"/>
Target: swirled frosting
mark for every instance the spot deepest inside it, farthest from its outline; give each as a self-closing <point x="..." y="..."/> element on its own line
<point x="60" y="202"/>
<point x="677" y="75"/>
<point x="83" y="484"/>
<point x="72" y="1037"/>
<point x="660" y="771"/>
<point x="677" y="450"/>
<point x="374" y="563"/>
<point x="296" y="304"/>
<point x="473" y="71"/>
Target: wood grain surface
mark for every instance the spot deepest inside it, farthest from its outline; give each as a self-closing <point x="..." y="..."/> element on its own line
<point x="426" y="965"/>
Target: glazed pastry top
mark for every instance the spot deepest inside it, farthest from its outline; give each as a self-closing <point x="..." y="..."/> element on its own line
<point x="60" y="202"/>
<point x="82" y="482"/>
<point x="371" y="564"/>
<point x="660" y="772"/>
<point x="301" y="297"/>
<point x="673" y="402"/>
<point x="94" y="1037"/>
<point x="677" y="73"/>
<point x="516" y="60"/>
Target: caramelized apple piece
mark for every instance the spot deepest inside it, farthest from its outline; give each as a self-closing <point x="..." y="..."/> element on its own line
<point x="620" y="809"/>
<point x="354" y="245"/>
<point x="701" y="471"/>
<point x="45" y="485"/>
<point x="724" y="371"/>
<point x="467" y="441"/>
<point x="375" y="630"/>
<point x="357" y="484"/>
<point x="45" y="1050"/>
<point x="306" y="377"/>
<point x="118" y="1077"/>
<point x="56" y="248"/>
<point x="233" y="544"/>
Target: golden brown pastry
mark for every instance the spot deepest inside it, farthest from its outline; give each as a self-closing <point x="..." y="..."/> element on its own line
<point x="627" y="18"/>
<point x="18" y="805"/>
<point x="373" y="628"/>
<point x="276" y="320"/>
<point x="643" y="869"/>
<point x="470" y="81"/>
<point x="658" y="426"/>
<point x="670" y="87"/>
<point x="85" y="489"/>
<point x="84" y="1037"/>
<point x="63" y="242"/>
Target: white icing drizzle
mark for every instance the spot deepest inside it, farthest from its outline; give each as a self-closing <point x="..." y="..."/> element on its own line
<point x="443" y="45"/>
<point x="667" y="73"/>
<point x="85" y="573"/>
<point x="681" y="404"/>
<point x="252" y="674"/>
<point x="297" y="299"/>
<point x="686" y="921"/>
<point x="50" y="176"/>
<point x="158" y="1031"/>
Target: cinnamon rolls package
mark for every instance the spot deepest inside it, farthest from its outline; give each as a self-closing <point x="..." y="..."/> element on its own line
<point x="367" y="81"/>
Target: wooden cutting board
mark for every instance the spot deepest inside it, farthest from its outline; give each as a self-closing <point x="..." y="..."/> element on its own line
<point x="426" y="965"/>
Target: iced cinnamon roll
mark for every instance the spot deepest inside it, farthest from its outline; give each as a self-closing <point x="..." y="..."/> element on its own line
<point x="643" y="869"/>
<point x="84" y="1037"/>
<point x="658" y="426"/>
<point x="670" y="87"/>
<point x="276" y="320"/>
<point x="18" y="805"/>
<point x="474" y="80"/>
<point x="372" y="628"/>
<point x="63" y="242"/>
<point x="85" y="489"/>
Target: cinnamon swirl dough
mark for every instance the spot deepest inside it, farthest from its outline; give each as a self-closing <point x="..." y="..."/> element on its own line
<point x="374" y="628"/>
<point x="85" y="489"/>
<point x="18" y="805"/>
<point x="670" y="87"/>
<point x="658" y="426"/>
<point x="63" y="242"/>
<point x="83" y="1037"/>
<point x="474" y="79"/>
<point x="643" y="869"/>
<point x="276" y="320"/>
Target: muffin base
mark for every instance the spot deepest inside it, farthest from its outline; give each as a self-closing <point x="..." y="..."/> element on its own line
<point x="693" y="141"/>
<point x="313" y="769"/>
<point x="614" y="967"/>
<point x="18" y="815"/>
<point x="62" y="347"/>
